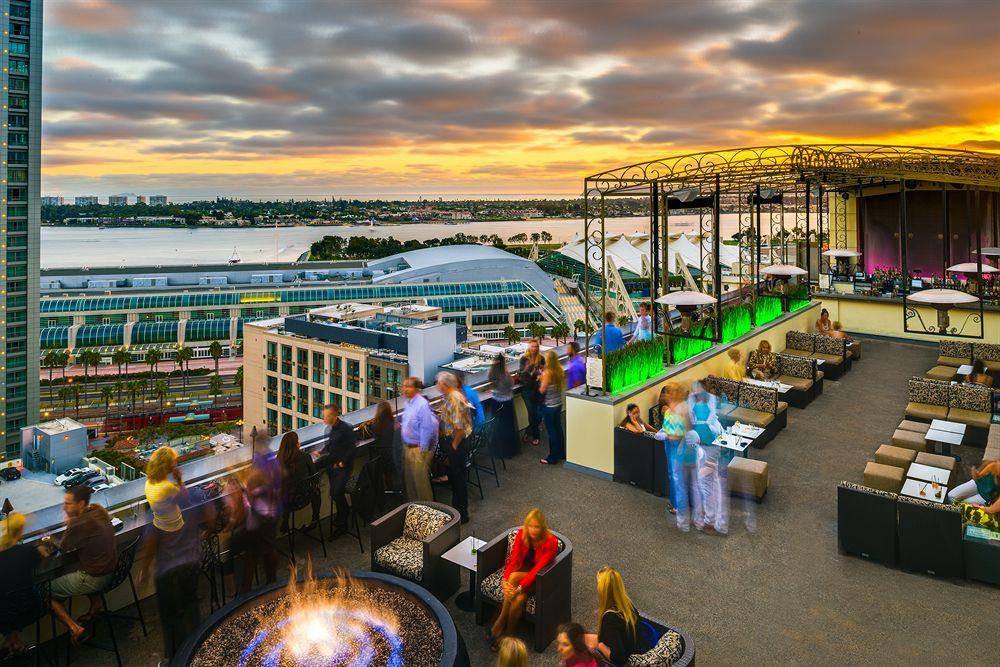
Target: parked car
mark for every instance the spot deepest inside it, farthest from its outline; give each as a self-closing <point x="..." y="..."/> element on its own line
<point x="81" y="478"/>
<point x="100" y="487"/>
<point x="97" y="481"/>
<point x="117" y="523"/>
<point x="10" y="474"/>
<point x="72" y="472"/>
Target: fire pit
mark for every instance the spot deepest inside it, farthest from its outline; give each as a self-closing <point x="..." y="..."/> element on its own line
<point x="366" y="618"/>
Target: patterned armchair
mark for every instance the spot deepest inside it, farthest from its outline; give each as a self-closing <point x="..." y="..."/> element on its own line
<point x="759" y="406"/>
<point x="833" y="353"/>
<point x="800" y="374"/>
<point x="866" y="522"/>
<point x="954" y="353"/>
<point x="930" y="537"/>
<point x="989" y="353"/>
<point x="548" y="607"/>
<point x="671" y="646"/>
<point x="408" y="542"/>
<point x="926" y="399"/>
<point x="800" y="343"/>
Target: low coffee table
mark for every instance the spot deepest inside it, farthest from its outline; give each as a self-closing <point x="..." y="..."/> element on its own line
<point x="913" y="487"/>
<point x="738" y="443"/>
<point x="946" y="434"/>
<point x="926" y="473"/>
<point x="463" y="554"/>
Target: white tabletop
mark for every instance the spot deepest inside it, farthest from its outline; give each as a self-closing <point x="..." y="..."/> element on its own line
<point x="733" y="442"/>
<point x="461" y="554"/>
<point x="781" y="387"/>
<point x="820" y="362"/>
<point x="964" y="369"/>
<point x="947" y="437"/>
<point x="928" y="473"/>
<point x="945" y="425"/>
<point x="912" y="488"/>
<point x="747" y="430"/>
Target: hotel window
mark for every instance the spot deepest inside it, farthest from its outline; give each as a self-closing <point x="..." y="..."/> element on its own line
<point x="17" y="120"/>
<point x="272" y="421"/>
<point x="20" y="48"/>
<point x="286" y="394"/>
<point x="317" y="403"/>
<point x="352" y="404"/>
<point x="272" y="356"/>
<point x="374" y="373"/>
<point x="302" y="404"/>
<point x="18" y="66"/>
<point x="286" y="360"/>
<point x="374" y="391"/>
<point x="18" y="29"/>
<point x="272" y="390"/>
<point x="336" y="399"/>
<point x="317" y="367"/>
<point x="302" y="359"/>
<point x="335" y="371"/>
<point x="353" y="376"/>
<point x="18" y="85"/>
<point x="16" y="194"/>
<point x="301" y="423"/>
<point x="286" y="422"/>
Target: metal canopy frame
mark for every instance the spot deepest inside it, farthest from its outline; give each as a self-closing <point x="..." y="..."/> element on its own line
<point x="802" y="171"/>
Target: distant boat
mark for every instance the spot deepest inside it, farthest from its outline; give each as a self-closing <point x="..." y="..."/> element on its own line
<point x="235" y="259"/>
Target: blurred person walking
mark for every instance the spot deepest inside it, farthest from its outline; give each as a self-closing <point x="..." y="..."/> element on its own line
<point x="506" y="443"/>
<point x="419" y="433"/>
<point x="528" y="376"/>
<point x="456" y="427"/>
<point x="552" y="388"/>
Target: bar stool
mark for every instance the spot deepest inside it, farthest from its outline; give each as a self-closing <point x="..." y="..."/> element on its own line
<point x="22" y="600"/>
<point x="298" y="501"/>
<point x="122" y="572"/>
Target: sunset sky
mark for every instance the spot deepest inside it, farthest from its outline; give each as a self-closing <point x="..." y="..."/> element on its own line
<point x="312" y="97"/>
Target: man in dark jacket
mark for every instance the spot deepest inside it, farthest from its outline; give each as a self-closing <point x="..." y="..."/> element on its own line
<point x="339" y="457"/>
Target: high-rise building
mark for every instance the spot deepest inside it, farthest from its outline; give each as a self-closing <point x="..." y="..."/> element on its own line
<point x="53" y="201"/>
<point x="141" y="199"/>
<point x="158" y="200"/>
<point x="118" y="200"/>
<point x="20" y="211"/>
<point x="86" y="200"/>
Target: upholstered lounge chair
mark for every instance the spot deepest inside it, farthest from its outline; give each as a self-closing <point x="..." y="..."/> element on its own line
<point x="954" y="353"/>
<point x="408" y="542"/>
<point x="866" y="522"/>
<point x="759" y="406"/>
<point x="833" y="353"/>
<point x="972" y="405"/>
<point x="800" y="374"/>
<point x="672" y="647"/>
<point x="551" y="603"/>
<point x="927" y="399"/>
<point x="930" y="537"/>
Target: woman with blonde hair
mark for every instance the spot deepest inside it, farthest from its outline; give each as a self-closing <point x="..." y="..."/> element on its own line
<point x="163" y="494"/>
<point x="674" y="427"/>
<point x="618" y="633"/>
<point x="20" y="603"/>
<point x="552" y="388"/>
<point x="513" y="653"/>
<point x="534" y="548"/>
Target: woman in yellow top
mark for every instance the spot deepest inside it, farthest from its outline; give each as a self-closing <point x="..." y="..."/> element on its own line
<point x="734" y="369"/>
<point x="163" y="494"/>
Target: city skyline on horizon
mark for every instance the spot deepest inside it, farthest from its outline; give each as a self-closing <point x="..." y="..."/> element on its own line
<point x="313" y="99"/>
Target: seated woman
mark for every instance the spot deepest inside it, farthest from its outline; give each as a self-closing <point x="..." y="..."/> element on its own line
<point x="823" y="325"/>
<point x="618" y="635"/>
<point x="633" y="420"/>
<point x="763" y="364"/>
<point x="534" y="548"/>
<point x="296" y="469"/>
<point x="979" y="374"/>
<point x="20" y="602"/>
<point x="572" y="646"/>
<point x="655" y="415"/>
<point x="982" y="491"/>
<point x="734" y="367"/>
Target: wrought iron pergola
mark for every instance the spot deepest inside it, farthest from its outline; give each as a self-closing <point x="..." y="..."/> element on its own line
<point x="765" y="180"/>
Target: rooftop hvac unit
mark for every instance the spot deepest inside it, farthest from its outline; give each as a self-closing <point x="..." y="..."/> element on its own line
<point x="101" y="284"/>
<point x="147" y="281"/>
<point x="266" y="278"/>
<point x="213" y="280"/>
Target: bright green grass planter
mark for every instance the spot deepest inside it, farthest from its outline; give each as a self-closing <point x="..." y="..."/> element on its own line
<point x="634" y="363"/>
<point x="768" y="309"/>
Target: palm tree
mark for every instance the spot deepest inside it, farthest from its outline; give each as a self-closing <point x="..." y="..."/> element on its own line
<point x="161" y="390"/>
<point x="117" y="387"/>
<point x="215" y="386"/>
<point x="153" y="357"/>
<point x="107" y="393"/>
<point x="121" y="357"/>
<point x="536" y="330"/>
<point x="88" y="358"/>
<point x="560" y="331"/>
<point x="134" y="387"/>
<point x="65" y="392"/>
<point x="511" y="334"/>
<point x="546" y="237"/>
<point x="238" y="379"/>
<point x="215" y="351"/>
<point x="74" y="391"/>
<point x="184" y="356"/>
<point x="51" y="360"/>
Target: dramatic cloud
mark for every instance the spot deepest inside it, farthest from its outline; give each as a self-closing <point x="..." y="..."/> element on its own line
<point x="197" y="98"/>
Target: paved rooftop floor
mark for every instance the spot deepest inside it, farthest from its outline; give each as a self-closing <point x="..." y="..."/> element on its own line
<point x="782" y="594"/>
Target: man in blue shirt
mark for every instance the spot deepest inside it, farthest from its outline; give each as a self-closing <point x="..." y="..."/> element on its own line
<point x="609" y="337"/>
<point x="418" y="431"/>
<point x="478" y="415"/>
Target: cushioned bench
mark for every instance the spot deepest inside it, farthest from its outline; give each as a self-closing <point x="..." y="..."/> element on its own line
<point x="910" y="440"/>
<point x="800" y="374"/>
<point x="945" y="373"/>
<point x="884" y="477"/>
<point x="748" y="478"/>
<point x="992" y="452"/>
<point x="927" y="399"/>
<point x="972" y="405"/>
<point x="833" y="353"/>
<point x="916" y="427"/>
<point x="988" y="353"/>
<point x="954" y="353"/>
<point x="749" y="404"/>
<point x="866" y="522"/>
<point x="890" y="455"/>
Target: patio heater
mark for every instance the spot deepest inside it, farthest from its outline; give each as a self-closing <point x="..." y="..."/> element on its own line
<point x="843" y="257"/>
<point x="686" y="302"/>
<point x="942" y="300"/>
